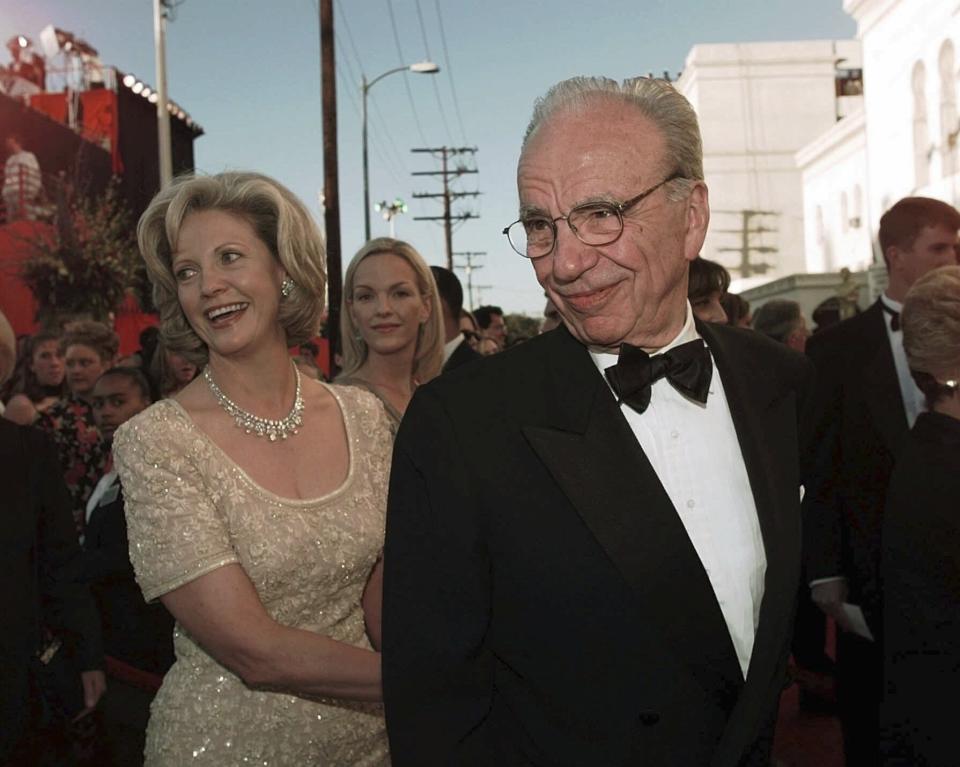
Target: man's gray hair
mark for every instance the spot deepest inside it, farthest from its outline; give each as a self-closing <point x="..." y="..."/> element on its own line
<point x="655" y="99"/>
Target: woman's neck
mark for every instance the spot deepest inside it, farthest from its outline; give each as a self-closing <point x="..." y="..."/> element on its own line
<point x="262" y="383"/>
<point x="391" y="371"/>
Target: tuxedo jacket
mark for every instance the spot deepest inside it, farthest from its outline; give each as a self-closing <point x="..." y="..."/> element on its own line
<point x="543" y="604"/>
<point x="40" y="572"/>
<point x="860" y="426"/>
<point x="133" y="631"/>
<point x="461" y="355"/>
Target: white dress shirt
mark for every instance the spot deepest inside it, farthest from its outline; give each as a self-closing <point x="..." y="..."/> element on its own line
<point x="696" y="454"/>
<point x="914" y="402"/>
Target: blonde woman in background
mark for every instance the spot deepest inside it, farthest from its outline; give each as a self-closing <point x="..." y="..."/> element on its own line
<point x="390" y="324"/>
<point x="255" y="497"/>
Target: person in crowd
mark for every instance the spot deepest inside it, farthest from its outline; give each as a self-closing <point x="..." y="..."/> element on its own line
<point x="783" y="321"/>
<point x="41" y="593"/>
<point x="737" y="309"/>
<point x="866" y="402"/>
<point x="171" y="371"/>
<point x="491" y="325"/>
<point x="390" y="324"/>
<point x="456" y="350"/>
<point x="920" y="562"/>
<point x="256" y="497"/>
<point x="42" y="382"/>
<point x="470" y="329"/>
<point x="707" y="287"/>
<point x="137" y="637"/>
<point x="89" y="349"/>
<point x="568" y="581"/>
<point x="21" y="180"/>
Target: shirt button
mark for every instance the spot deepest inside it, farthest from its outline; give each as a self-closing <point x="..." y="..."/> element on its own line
<point x="691" y="503"/>
<point x="674" y="434"/>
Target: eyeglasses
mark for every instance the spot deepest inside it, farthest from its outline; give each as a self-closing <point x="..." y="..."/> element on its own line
<point x="593" y="223"/>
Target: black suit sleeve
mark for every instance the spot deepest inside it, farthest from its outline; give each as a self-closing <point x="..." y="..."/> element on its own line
<point x="437" y="668"/>
<point x="110" y="558"/>
<point x="821" y="504"/>
<point x="67" y="604"/>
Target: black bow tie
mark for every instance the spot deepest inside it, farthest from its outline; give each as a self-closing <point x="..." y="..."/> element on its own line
<point x="894" y="317"/>
<point x="687" y="367"/>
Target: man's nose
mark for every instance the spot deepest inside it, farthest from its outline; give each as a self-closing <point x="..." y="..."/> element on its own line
<point x="571" y="257"/>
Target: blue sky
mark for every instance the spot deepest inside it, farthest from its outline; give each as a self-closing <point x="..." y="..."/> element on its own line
<point x="249" y="73"/>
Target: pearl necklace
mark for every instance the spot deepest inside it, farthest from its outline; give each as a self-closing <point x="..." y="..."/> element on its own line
<point x="254" y="424"/>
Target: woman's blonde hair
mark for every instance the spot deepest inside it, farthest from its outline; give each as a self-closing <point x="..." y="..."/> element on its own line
<point x="428" y="357"/>
<point x="279" y="219"/>
<point x="931" y="330"/>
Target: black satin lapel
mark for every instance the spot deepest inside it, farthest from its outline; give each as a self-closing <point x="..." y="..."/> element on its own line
<point x="610" y="482"/>
<point x="881" y="389"/>
<point x="766" y="424"/>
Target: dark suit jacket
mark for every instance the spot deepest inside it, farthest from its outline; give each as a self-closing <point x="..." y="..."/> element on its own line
<point x="543" y="603"/>
<point x="861" y="424"/>
<point x="921" y="579"/>
<point x="133" y="631"/>
<point x="40" y="572"/>
<point x="461" y="355"/>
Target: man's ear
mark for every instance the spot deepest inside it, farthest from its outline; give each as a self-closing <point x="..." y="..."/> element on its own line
<point x="697" y="220"/>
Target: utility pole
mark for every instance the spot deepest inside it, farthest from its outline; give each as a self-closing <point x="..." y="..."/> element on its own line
<point x="748" y="267"/>
<point x="469" y="268"/>
<point x="447" y="174"/>
<point x="163" y="116"/>
<point x="331" y="195"/>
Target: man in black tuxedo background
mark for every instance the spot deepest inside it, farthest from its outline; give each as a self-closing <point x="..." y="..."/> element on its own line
<point x="593" y="562"/>
<point x="456" y="350"/>
<point x="866" y="402"/>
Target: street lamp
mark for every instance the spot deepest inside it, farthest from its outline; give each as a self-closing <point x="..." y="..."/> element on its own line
<point x="389" y="211"/>
<point x="421" y="67"/>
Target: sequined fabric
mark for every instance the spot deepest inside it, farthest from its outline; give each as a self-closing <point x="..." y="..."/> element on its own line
<point x="190" y="509"/>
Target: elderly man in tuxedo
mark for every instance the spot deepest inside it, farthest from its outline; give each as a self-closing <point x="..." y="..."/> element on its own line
<point x="866" y="401"/>
<point x="593" y="539"/>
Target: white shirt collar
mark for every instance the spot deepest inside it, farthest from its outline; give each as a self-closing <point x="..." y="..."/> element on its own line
<point x="451" y="346"/>
<point x="890" y="303"/>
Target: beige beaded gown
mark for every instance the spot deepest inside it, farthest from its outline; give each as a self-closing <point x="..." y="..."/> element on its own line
<point x="190" y="510"/>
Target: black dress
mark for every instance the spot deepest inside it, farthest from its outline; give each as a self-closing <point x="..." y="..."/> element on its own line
<point x="921" y="575"/>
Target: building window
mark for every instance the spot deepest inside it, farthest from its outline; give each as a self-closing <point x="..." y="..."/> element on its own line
<point x="921" y="135"/>
<point x="948" y="110"/>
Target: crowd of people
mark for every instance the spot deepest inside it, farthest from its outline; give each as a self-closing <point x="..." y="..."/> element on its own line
<point x="588" y="548"/>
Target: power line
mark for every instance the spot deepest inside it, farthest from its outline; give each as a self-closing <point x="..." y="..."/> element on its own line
<point x="446" y="174"/>
<point x="403" y="63"/>
<point x="436" y="88"/>
<point x="449" y="71"/>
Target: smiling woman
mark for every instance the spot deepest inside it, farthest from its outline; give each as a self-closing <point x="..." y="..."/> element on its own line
<point x="263" y="541"/>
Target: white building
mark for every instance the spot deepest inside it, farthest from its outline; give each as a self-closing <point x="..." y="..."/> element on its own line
<point x="758" y="104"/>
<point x="903" y="141"/>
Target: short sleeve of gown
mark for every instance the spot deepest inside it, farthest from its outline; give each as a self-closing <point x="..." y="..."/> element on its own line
<point x="176" y="531"/>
